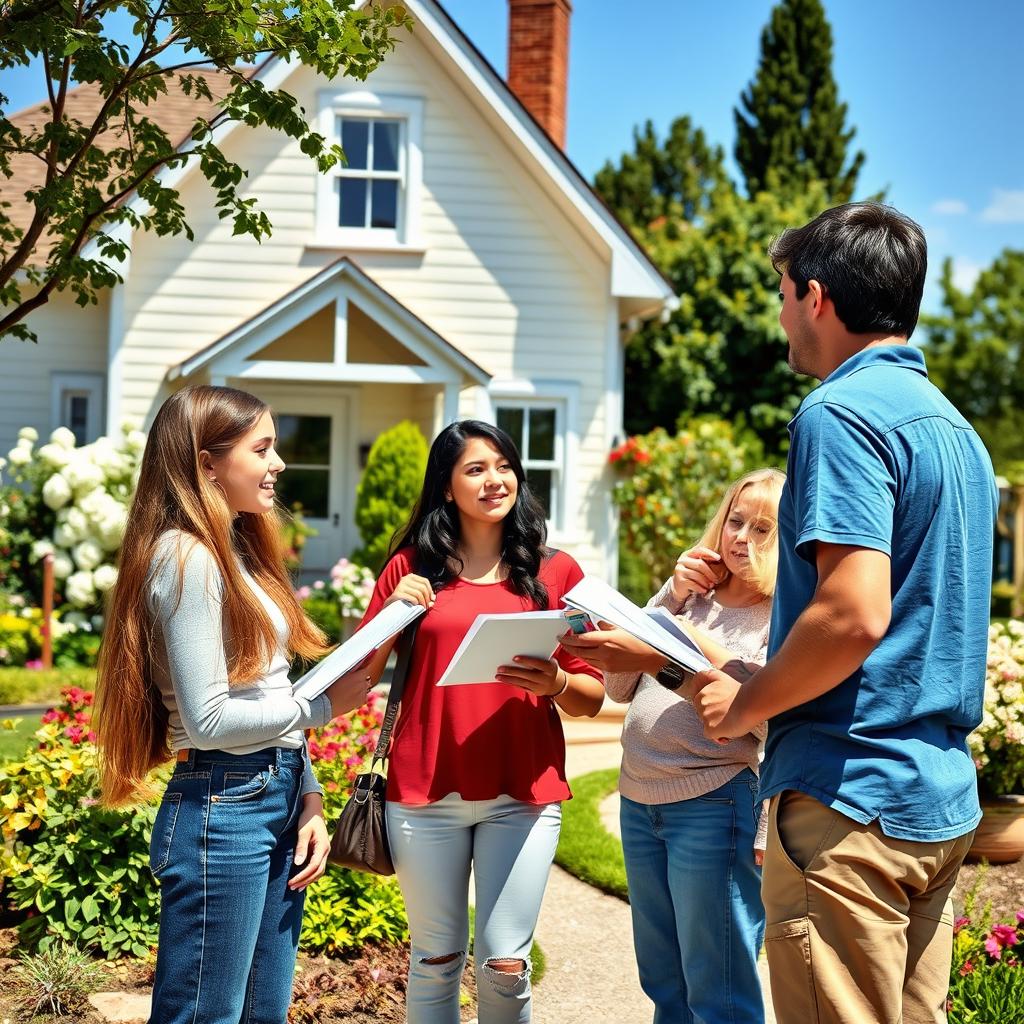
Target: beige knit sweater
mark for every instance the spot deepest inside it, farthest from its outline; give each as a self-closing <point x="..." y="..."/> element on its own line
<point x="665" y="754"/>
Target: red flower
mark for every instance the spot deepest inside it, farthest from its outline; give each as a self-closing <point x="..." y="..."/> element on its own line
<point x="967" y="968"/>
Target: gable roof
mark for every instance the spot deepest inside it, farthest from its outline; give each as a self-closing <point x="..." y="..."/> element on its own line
<point x="634" y="275"/>
<point x="320" y="290"/>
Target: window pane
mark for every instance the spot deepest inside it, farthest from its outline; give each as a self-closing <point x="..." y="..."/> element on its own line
<point x="353" y="203"/>
<point x="542" y="433"/>
<point x="385" y="145"/>
<point x="540" y="483"/>
<point x="355" y="138"/>
<point x="385" y="204"/>
<point x="309" y="487"/>
<point x="511" y="421"/>
<point x="78" y="417"/>
<point x="305" y="440"/>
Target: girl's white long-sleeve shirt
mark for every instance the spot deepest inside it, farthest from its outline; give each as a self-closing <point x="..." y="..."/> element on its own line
<point x="185" y="596"/>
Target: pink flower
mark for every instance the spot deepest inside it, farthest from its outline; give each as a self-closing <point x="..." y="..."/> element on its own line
<point x="959" y="923"/>
<point x="993" y="948"/>
<point x="1020" y="917"/>
<point x="1001" y="936"/>
<point x="302" y="593"/>
<point x="35" y="665"/>
<point x="353" y="761"/>
<point x="318" y="585"/>
<point x="74" y="733"/>
<point x="51" y="716"/>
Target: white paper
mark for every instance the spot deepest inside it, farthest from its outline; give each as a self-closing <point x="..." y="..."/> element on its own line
<point x="377" y="632"/>
<point x="605" y="604"/>
<point x="494" y="640"/>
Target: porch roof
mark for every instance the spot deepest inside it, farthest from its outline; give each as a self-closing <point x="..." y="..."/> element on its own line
<point x="230" y="355"/>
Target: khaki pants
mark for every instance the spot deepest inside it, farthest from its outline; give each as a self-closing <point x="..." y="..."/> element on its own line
<point x="859" y="925"/>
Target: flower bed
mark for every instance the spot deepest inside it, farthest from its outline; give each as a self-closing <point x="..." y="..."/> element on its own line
<point x="987" y="977"/>
<point x="997" y="745"/>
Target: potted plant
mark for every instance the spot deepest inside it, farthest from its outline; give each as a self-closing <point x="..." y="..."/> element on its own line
<point x="997" y="746"/>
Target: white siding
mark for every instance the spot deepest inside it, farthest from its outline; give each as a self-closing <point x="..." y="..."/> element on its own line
<point x="71" y="340"/>
<point x="505" y="277"/>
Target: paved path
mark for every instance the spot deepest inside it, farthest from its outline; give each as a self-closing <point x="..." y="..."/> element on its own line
<point x="586" y="935"/>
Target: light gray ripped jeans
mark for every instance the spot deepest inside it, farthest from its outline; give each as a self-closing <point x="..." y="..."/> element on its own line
<point x="509" y="845"/>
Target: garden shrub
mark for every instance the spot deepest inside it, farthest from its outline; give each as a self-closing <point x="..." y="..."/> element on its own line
<point x="36" y="686"/>
<point x="388" y="490"/>
<point x="670" y="485"/>
<point x="997" y="745"/>
<point x="336" y="605"/>
<point x="986" y="982"/>
<point x="346" y="909"/>
<point x="80" y="871"/>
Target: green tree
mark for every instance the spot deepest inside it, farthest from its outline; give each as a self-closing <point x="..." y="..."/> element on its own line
<point x="975" y="354"/>
<point x="722" y="352"/>
<point x="85" y="170"/>
<point x="792" y="128"/>
<point x="388" y="490"/>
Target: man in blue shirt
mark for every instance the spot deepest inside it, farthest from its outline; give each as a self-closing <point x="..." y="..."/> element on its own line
<point x="878" y="643"/>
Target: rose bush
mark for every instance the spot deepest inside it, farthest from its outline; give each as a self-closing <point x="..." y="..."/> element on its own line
<point x="997" y="745"/>
<point x="336" y="605"/>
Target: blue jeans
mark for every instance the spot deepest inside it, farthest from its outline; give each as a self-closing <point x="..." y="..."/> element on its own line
<point x="222" y="850"/>
<point x="510" y="846"/>
<point x="695" y="897"/>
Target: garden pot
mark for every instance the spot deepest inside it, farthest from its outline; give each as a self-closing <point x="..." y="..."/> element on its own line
<point x="1000" y="836"/>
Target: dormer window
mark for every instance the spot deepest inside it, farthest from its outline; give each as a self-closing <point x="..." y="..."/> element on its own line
<point x="372" y="201"/>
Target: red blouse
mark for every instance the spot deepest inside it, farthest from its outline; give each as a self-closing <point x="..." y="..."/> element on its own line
<point x="480" y="741"/>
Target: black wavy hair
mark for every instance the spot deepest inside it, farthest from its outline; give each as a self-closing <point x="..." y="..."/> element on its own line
<point x="434" y="530"/>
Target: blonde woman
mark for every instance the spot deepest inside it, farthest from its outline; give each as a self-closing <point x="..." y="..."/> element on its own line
<point x="690" y="815"/>
<point x="200" y="629"/>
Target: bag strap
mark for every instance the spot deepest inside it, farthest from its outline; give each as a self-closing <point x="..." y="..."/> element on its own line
<point x="404" y="655"/>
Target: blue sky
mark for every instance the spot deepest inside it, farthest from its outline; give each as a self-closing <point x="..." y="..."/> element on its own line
<point x="935" y="89"/>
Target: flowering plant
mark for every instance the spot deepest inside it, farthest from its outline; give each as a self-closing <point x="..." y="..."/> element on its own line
<point x="987" y="977"/>
<point x="351" y="584"/>
<point x="78" y="505"/>
<point x="997" y="745"/>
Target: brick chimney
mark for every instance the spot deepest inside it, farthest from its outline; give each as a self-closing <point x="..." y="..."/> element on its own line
<point x="538" y="60"/>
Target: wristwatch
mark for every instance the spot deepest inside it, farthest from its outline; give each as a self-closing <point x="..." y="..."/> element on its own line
<point x="672" y="676"/>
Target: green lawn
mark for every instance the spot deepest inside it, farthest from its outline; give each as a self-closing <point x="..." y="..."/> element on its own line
<point x="586" y="849"/>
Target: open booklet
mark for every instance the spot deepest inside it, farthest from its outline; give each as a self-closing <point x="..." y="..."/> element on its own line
<point x="353" y="652"/>
<point x="495" y="639"/>
<point x="655" y="626"/>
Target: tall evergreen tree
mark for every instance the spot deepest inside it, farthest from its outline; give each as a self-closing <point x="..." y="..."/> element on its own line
<point x="791" y="129"/>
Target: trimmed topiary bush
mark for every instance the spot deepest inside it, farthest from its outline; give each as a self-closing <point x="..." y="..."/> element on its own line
<point x="388" y="490"/>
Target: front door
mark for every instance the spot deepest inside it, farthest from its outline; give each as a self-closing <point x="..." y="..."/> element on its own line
<point x="312" y="439"/>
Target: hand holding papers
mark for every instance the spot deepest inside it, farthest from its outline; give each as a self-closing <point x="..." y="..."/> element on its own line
<point x="495" y="640"/>
<point x="351" y="654"/>
<point x="655" y="627"/>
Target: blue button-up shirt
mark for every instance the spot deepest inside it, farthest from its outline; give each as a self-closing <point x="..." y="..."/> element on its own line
<point x="880" y="459"/>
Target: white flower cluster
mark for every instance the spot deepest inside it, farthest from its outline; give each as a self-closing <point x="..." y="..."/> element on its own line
<point x="1002" y="725"/>
<point x="351" y="583"/>
<point x="89" y="488"/>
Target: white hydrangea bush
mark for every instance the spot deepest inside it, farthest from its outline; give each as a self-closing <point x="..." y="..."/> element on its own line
<point x="89" y="488"/>
<point x="997" y="745"/>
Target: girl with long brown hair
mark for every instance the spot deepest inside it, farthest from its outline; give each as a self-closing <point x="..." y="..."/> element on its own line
<point x="201" y="627"/>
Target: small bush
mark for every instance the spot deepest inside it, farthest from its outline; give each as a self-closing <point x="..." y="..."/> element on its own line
<point x="58" y="980"/>
<point x="36" y="686"/>
<point x="345" y="909"/>
<point x="388" y="489"/>
<point x="80" y="872"/>
<point x="669" y="487"/>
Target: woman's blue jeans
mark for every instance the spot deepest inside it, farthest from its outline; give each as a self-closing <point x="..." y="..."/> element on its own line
<point x="222" y="850"/>
<point x="695" y="897"/>
<point x="510" y="846"/>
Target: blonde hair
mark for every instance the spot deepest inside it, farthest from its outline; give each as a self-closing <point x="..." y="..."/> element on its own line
<point x="765" y="486"/>
<point x="174" y="493"/>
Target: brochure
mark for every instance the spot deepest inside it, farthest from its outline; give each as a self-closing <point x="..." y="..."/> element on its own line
<point x="353" y="652"/>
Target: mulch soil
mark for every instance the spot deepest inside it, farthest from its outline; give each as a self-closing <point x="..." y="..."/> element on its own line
<point x="365" y="989"/>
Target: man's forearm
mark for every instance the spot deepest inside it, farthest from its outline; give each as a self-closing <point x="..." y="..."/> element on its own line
<point x="826" y="645"/>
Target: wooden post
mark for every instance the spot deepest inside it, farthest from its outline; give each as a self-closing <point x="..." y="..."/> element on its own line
<point x="47" y="611"/>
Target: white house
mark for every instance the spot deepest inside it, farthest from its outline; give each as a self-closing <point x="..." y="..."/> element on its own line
<point x="458" y="266"/>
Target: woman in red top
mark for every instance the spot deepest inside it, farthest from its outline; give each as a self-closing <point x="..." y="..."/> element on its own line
<point x="476" y="773"/>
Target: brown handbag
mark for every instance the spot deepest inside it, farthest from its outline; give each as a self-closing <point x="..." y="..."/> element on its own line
<point x="360" y="839"/>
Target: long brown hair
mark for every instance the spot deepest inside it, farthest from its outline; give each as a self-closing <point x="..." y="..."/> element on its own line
<point x="174" y="493"/>
<point x="766" y="487"/>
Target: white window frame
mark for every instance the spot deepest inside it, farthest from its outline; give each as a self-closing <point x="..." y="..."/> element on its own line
<point x="365" y="105"/>
<point x="66" y="385"/>
<point x="563" y="398"/>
